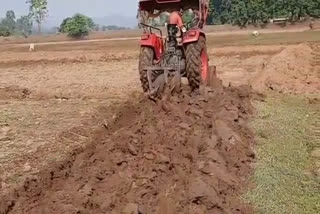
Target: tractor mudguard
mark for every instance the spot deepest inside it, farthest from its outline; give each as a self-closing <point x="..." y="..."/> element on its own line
<point x="153" y="41"/>
<point x="192" y="35"/>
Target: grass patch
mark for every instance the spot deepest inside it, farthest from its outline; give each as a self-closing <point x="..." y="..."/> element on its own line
<point x="285" y="129"/>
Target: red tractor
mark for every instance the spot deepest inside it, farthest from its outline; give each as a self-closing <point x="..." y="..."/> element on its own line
<point x="182" y="53"/>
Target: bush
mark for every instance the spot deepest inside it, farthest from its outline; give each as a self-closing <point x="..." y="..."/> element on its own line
<point x="77" y="26"/>
<point x="63" y="25"/>
<point x="4" y="31"/>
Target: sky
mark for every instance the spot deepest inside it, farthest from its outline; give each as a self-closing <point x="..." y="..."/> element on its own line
<point x="59" y="9"/>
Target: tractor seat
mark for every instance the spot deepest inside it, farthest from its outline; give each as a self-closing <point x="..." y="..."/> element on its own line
<point x="174" y="32"/>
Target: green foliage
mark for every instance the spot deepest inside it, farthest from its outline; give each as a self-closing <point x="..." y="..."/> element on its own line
<point x="77" y="26"/>
<point x="38" y="10"/>
<point x="312" y="8"/>
<point x="239" y="12"/>
<point x="243" y="12"/>
<point x="91" y="24"/>
<point x="24" y="25"/>
<point x="4" y="31"/>
<point x="63" y="25"/>
<point x="9" y="23"/>
<point x="257" y="11"/>
<point x="225" y="11"/>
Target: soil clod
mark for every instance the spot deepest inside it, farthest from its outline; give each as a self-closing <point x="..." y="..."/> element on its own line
<point x="187" y="155"/>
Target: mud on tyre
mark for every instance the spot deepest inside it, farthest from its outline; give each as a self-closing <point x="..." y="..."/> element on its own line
<point x="145" y="60"/>
<point x="197" y="63"/>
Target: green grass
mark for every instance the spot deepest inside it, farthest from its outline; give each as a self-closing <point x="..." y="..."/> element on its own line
<point x="285" y="129"/>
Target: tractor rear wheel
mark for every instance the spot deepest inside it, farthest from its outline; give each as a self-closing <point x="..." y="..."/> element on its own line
<point x="145" y="60"/>
<point x="197" y="63"/>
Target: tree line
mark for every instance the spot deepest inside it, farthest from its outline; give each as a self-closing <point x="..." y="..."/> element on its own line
<point x="244" y="12"/>
<point x="236" y="12"/>
<point x="10" y="25"/>
<point x="254" y="12"/>
<point x="78" y="25"/>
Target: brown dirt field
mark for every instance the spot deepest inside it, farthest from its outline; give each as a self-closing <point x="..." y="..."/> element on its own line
<point x="186" y="155"/>
<point x="64" y="37"/>
<point x="212" y="30"/>
<point x="295" y="69"/>
<point x="76" y="136"/>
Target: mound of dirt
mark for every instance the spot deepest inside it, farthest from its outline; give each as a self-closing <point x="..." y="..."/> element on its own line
<point x="14" y="92"/>
<point x="289" y="71"/>
<point x="188" y="154"/>
<point x="50" y="58"/>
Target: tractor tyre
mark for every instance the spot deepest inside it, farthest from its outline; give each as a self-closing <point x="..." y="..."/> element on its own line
<point x="197" y="63"/>
<point x="145" y="60"/>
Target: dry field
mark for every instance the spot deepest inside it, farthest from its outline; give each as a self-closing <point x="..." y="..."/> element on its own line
<point x="212" y="30"/>
<point x="77" y="137"/>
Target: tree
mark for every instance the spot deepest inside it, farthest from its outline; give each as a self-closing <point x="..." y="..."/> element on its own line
<point x="24" y="25"/>
<point x="312" y="8"/>
<point x="4" y="31"/>
<point x="239" y="12"/>
<point x="215" y="10"/>
<point x="10" y="15"/>
<point x="91" y="24"/>
<point x="225" y="16"/>
<point x="63" y="25"/>
<point x="79" y="26"/>
<point x="38" y="11"/>
<point x="243" y="12"/>
<point x="9" y="22"/>
<point x="257" y="11"/>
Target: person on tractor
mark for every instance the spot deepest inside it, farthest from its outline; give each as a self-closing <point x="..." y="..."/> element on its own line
<point x="176" y="18"/>
<point x="181" y="53"/>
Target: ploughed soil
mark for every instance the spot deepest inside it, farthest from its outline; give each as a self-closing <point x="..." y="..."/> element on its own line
<point x="183" y="154"/>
